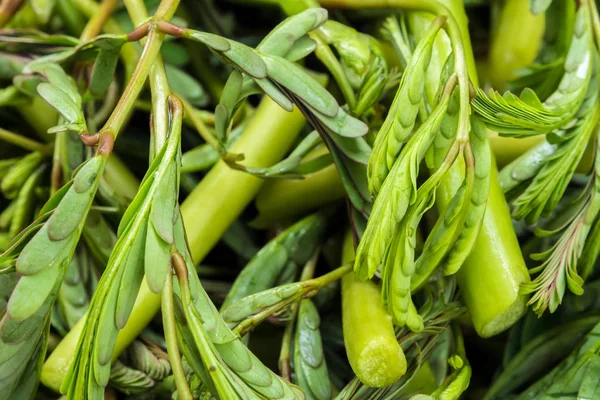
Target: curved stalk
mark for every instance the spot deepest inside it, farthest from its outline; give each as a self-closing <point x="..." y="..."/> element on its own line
<point x="515" y="41"/>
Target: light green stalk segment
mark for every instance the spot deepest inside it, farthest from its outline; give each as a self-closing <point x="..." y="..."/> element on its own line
<point x="222" y="189"/>
<point x="267" y="137"/>
<point x="402" y="114"/>
<point x="515" y="42"/>
<point x="284" y="199"/>
<point x="490" y="288"/>
<point x="373" y="351"/>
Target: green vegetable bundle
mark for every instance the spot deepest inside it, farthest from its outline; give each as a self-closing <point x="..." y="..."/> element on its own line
<point x="299" y="199"/>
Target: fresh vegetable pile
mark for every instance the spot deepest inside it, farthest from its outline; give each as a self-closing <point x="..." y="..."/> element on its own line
<point x="299" y="199"/>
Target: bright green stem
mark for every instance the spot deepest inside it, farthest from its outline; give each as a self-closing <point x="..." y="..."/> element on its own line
<point x="496" y="268"/>
<point x="371" y="345"/>
<point x="207" y="212"/>
<point x="515" y="41"/>
<point x="496" y="264"/>
<point x="159" y="85"/>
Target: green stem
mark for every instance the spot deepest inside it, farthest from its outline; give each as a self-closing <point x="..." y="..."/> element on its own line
<point x="97" y="21"/>
<point x="281" y="200"/>
<point x="223" y="194"/>
<point x="515" y="41"/>
<point x="118" y="117"/>
<point x="373" y="351"/>
<point x="503" y="272"/>
<point x="168" y="314"/>
<point x="501" y="276"/>
<point x="24" y="142"/>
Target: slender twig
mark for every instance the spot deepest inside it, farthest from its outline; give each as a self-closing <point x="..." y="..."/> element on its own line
<point x="168" y="314"/>
<point x="96" y="23"/>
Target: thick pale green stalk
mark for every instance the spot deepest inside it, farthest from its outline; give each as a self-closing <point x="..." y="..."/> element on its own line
<point x="371" y="345"/>
<point x="207" y="212"/>
<point x="224" y="193"/>
<point x="515" y="41"/>
<point x="283" y="199"/>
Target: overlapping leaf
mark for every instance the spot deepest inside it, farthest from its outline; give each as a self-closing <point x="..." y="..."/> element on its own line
<point x="215" y="353"/>
<point x="269" y="69"/>
<point x="42" y="263"/>
<point x="146" y="235"/>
